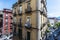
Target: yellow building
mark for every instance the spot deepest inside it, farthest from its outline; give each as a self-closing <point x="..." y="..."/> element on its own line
<point x="30" y="19"/>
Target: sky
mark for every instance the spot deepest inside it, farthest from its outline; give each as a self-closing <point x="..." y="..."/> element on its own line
<point x="53" y="6"/>
<point x="6" y="4"/>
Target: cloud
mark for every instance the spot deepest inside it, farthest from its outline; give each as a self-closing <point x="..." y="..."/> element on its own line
<point x="54" y="14"/>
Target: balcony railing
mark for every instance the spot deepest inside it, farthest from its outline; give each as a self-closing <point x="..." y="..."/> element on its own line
<point x="28" y="10"/>
<point x="28" y="25"/>
<point x="42" y="10"/>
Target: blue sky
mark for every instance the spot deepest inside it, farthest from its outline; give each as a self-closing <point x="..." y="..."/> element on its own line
<point x="6" y="4"/>
<point x="53" y="6"/>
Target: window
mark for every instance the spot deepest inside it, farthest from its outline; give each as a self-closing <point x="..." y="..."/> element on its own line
<point x="20" y="20"/>
<point x="1" y="15"/>
<point x="14" y="20"/>
<point x="42" y="7"/>
<point x="6" y="21"/>
<point x="28" y="19"/>
<point x="44" y="10"/>
<point x="6" y="15"/>
<point x="6" y="25"/>
<point x="14" y="31"/>
<point x="20" y="9"/>
<point x="13" y="10"/>
<point x="28" y="35"/>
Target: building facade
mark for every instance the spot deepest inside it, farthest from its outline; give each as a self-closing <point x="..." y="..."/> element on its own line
<point x="30" y="19"/>
<point x="7" y="22"/>
<point x="1" y="22"/>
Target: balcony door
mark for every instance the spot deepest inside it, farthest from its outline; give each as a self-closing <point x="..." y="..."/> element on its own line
<point x="20" y="34"/>
<point x="28" y="35"/>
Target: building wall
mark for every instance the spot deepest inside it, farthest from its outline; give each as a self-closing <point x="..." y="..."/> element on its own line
<point x="41" y="19"/>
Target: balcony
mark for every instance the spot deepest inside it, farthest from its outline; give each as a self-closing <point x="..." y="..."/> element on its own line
<point x="44" y="2"/>
<point x="42" y="10"/>
<point x="28" y="25"/>
<point x="28" y="10"/>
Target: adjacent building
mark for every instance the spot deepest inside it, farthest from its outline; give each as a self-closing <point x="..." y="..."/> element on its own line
<point x="58" y="20"/>
<point x="7" y="22"/>
<point x="30" y="19"/>
<point x="1" y="22"/>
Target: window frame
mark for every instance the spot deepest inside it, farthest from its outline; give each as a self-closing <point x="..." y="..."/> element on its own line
<point x="20" y="9"/>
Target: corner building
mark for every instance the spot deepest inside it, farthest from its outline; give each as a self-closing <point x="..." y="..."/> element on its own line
<point x="30" y="19"/>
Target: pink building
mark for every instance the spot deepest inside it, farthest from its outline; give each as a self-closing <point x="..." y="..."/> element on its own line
<point x="7" y="21"/>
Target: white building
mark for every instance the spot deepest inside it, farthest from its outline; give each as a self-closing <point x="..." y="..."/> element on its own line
<point x="58" y="20"/>
<point x="52" y="21"/>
